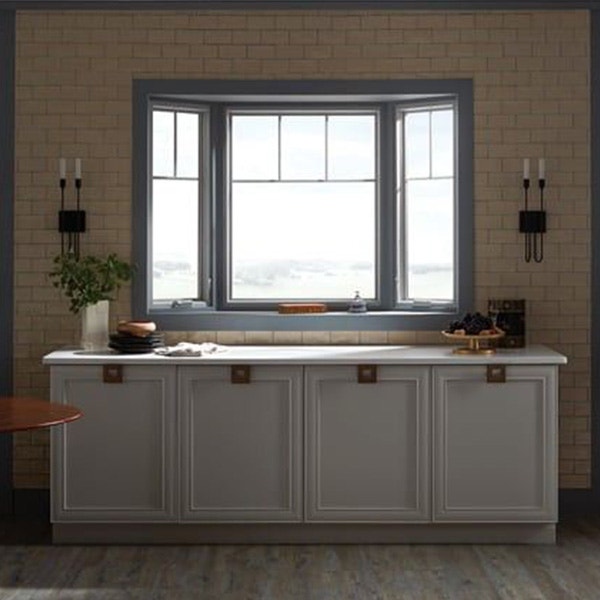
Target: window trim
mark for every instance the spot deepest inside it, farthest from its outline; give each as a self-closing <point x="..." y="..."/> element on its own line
<point x="363" y="91"/>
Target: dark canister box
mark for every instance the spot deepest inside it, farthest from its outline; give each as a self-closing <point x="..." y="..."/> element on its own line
<point x="509" y="315"/>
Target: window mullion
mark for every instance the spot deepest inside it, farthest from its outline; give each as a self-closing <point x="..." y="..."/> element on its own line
<point x="430" y="145"/>
<point x="175" y="144"/>
<point x="221" y="202"/>
<point x="326" y="147"/>
<point x="279" y="148"/>
<point x="387" y="251"/>
<point x="203" y="214"/>
<point x="400" y="203"/>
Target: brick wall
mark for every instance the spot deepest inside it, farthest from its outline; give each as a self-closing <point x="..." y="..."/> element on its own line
<point x="532" y="99"/>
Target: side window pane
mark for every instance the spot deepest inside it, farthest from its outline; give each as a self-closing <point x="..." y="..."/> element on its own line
<point x="163" y="143"/>
<point x="187" y="144"/>
<point x="351" y="147"/>
<point x="303" y="240"/>
<point x="430" y="216"/>
<point x="174" y="239"/>
<point x="254" y="147"/>
<point x="426" y="205"/>
<point x="302" y="147"/>
<point x="429" y="213"/>
<point x="416" y="147"/>
<point x="442" y="148"/>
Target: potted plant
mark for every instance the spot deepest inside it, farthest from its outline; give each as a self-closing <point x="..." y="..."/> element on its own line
<point x="90" y="282"/>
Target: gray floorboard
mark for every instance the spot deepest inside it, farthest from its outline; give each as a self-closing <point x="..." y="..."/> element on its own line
<point x="570" y="570"/>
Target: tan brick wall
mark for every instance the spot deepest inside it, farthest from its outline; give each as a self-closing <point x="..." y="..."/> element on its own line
<point x="532" y="99"/>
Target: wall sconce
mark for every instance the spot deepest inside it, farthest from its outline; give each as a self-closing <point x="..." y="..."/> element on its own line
<point x="533" y="222"/>
<point x="71" y="223"/>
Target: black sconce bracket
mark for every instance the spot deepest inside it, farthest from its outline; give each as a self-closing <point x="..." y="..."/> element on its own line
<point x="532" y="221"/>
<point x="71" y="221"/>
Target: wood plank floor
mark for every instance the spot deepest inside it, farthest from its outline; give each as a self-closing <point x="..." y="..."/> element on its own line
<point x="568" y="571"/>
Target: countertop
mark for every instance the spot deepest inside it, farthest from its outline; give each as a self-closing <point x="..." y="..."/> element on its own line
<point x="305" y="355"/>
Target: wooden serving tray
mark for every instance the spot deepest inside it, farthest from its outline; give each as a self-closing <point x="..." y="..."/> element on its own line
<point x="299" y="308"/>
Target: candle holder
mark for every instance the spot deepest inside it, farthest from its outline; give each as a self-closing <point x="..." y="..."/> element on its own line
<point x="71" y="223"/>
<point x="533" y="224"/>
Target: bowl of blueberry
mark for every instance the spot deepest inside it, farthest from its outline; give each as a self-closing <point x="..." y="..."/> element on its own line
<point x="476" y="330"/>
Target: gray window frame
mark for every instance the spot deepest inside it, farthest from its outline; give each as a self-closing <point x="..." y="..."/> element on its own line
<point x="334" y="304"/>
<point x="217" y="93"/>
<point x="402" y="302"/>
<point x="204" y="229"/>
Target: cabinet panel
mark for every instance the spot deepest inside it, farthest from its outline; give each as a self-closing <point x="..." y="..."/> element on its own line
<point x="367" y="444"/>
<point x="495" y="444"/>
<point x="241" y="444"/>
<point x="118" y="464"/>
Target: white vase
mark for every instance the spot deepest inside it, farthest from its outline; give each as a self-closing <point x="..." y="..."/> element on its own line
<point x="94" y="326"/>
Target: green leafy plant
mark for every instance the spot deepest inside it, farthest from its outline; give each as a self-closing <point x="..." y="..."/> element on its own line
<point x="89" y="279"/>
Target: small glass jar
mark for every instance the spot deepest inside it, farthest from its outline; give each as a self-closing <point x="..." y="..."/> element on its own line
<point x="357" y="304"/>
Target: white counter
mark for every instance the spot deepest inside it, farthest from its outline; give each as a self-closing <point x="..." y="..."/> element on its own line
<point x="305" y="355"/>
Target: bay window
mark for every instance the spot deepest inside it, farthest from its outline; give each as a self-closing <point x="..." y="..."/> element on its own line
<point x="245" y="200"/>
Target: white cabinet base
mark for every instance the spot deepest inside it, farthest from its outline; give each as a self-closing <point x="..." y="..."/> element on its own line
<point x="428" y="451"/>
<point x="303" y="533"/>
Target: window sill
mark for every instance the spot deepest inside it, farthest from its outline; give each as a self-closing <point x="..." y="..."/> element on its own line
<point x="209" y="320"/>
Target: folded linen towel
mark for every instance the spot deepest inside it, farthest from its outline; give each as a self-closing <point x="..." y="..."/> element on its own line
<point x="189" y="349"/>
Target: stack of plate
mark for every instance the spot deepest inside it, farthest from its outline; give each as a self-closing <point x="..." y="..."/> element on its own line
<point x="133" y="344"/>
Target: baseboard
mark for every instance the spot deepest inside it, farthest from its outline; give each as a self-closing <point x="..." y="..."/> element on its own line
<point x="6" y="502"/>
<point x="6" y="490"/>
<point x="303" y="533"/>
<point x="31" y="503"/>
<point x="578" y="503"/>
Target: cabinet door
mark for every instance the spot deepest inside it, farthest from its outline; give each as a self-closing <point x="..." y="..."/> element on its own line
<point x="241" y="444"/>
<point x="367" y="445"/>
<point x="495" y="444"/>
<point x="117" y="463"/>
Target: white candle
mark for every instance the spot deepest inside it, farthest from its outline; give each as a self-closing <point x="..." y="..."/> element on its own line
<point x="77" y="168"/>
<point x="62" y="168"/>
<point x="542" y="168"/>
<point x="525" y="168"/>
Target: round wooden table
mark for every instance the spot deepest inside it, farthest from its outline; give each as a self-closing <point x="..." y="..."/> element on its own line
<point x="19" y="413"/>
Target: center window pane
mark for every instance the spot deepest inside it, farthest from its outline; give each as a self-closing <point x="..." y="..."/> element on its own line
<point x="255" y="148"/>
<point x="351" y="147"/>
<point x="303" y="147"/>
<point x="306" y="241"/>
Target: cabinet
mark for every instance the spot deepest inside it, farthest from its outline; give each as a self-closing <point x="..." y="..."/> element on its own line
<point x="495" y="445"/>
<point x="119" y="464"/>
<point x="241" y="447"/>
<point x="367" y="444"/>
<point x="429" y="451"/>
